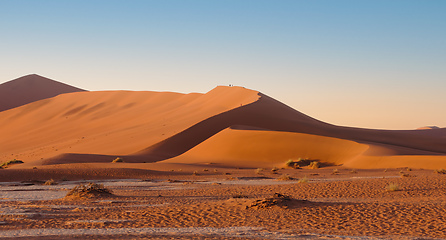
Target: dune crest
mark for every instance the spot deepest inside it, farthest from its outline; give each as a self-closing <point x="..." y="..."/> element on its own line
<point x="31" y="88"/>
<point x="228" y="125"/>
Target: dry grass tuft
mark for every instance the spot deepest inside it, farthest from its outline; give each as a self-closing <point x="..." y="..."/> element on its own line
<point x="10" y="162"/>
<point x="239" y="195"/>
<point x="50" y="182"/>
<point x="403" y="174"/>
<point x="314" y="165"/>
<point x="88" y="191"/>
<point x="285" y="177"/>
<point x="274" y="170"/>
<point x="118" y="159"/>
<point x="393" y="187"/>
<point x="303" y="180"/>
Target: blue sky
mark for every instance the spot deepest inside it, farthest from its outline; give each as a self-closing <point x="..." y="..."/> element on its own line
<point x="374" y="64"/>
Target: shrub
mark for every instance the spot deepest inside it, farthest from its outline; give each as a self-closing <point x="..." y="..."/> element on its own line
<point x="393" y="187"/>
<point x="303" y="180"/>
<point x="118" y="159"/>
<point x="314" y="165"/>
<point x="285" y="177"/>
<point x="50" y="182"/>
<point x="88" y="191"/>
<point x="10" y="162"/>
<point x="259" y="170"/>
<point x="239" y="195"/>
<point x="274" y="170"/>
<point x="403" y="174"/>
<point x="335" y="171"/>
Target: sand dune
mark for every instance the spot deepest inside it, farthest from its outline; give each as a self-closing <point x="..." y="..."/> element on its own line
<point x="260" y="148"/>
<point x="107" y="123"/>
<point x="29" y="89"/>
<point x="229" y="125"/>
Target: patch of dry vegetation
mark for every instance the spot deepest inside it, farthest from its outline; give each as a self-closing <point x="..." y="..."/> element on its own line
<point x="118" y="159"/>
<point x="279" y="200"/>
<point x="303" y="180"/>
<point x="393" y="187"/>
<point x="50" y="182"/>
<point x="10" y="162"/>
<point x="285" y="177"/>
<point x="89" y="190"/>
<point x="314" y="165"/>
<point x="440" y="171"/>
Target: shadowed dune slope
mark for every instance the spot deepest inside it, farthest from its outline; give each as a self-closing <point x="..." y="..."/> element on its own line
<point x="107" y="123"/>
<point x="29" y="89"/>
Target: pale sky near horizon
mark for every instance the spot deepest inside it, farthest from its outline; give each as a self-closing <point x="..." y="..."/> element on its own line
<point x="373" y="64"/>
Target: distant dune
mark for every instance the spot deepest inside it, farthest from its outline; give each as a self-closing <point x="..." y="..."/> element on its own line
<point x="29" y="89"/>
<point x="229" y="126"/>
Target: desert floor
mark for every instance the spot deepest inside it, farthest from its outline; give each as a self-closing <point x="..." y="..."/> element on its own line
<point x="212" y="203"/>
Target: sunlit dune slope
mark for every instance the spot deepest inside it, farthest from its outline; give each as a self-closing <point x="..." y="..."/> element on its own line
<point x="260" y="148"/>
<point x="110" y="122"/>
<point x="29" y="89"/>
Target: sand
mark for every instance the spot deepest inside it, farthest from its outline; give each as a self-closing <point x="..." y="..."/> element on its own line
<point x="193" y="162"/>
<point x="346" y="205"/>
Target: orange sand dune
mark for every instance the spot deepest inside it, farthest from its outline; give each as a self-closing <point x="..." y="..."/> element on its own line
<point x="29" y="89"/>
<point x="155" y="126"/>
<point x="254" y="148"/>
<point x="267" y="113"/>
<point x="109" y="123"/>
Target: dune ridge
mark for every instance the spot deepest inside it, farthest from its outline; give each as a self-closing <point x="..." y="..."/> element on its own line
<point x="31" y="88"/>
<point x="229" y="125"/>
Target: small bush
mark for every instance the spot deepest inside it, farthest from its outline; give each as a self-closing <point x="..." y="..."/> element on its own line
<point x="274" y="170"/>
<point x="314" y="165"/>
<point x="239" y="195"/>
<point x="88" y="191"/>
<point x="335" y="172"/>
<point x="303" y="180"/>
<point x="10" y="162"/>
<point x="259" y="170"/>
<point x="118" y="159"/>
<point x="50" y="182"/>
<point x="205" y="170"/>
<point x="285" y="177"/>
<point x="195" y="173"/>
<point x="403" y="174"/>
<point x="290" y="163"/>
<point x="440" y="171"/>
<point x="393" y="187"/>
